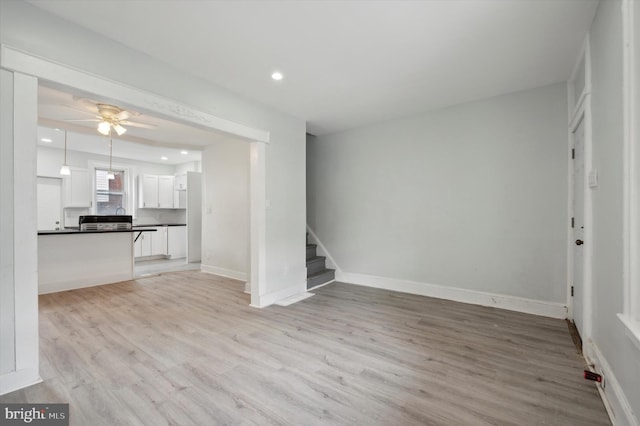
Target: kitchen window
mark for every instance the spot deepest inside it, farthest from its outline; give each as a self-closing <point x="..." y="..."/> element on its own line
<point x="111" y="195"/>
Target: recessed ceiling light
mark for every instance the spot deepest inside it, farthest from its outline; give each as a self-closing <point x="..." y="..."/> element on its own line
<point x="184" y="152"/>
<point x="277" y="76"/>
<point x="164" y="158"/>
<point x="47" y="140"/>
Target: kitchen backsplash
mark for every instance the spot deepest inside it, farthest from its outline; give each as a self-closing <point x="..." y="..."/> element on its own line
<point x="156" y="216"/>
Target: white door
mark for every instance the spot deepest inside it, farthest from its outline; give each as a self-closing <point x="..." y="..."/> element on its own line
<point x="578" y="227"/>
<point x="49" y="201"/>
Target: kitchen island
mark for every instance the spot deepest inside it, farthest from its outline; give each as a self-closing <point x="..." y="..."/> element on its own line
<point x="70" y="258"/>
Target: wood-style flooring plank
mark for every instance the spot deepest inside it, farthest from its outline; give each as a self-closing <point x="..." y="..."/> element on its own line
<point x="186" y="349"/>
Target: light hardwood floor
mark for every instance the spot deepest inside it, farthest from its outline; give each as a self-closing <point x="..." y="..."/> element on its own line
<point x="186" y="349"/>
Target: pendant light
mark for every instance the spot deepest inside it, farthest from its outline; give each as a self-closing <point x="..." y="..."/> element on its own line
<point x="65" y="170"/>
<point x="110" y="175"/>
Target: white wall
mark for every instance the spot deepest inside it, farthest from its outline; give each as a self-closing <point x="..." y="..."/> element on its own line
<point x="192" y="166"/>
<point x="226" y="212"/>
<point x="470" y="197"/>
<point x="27" y="28"/>
<point x="608" y="332"/>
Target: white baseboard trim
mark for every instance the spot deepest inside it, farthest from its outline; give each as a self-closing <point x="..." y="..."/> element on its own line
<point x="615" y="401"/>
<point x="273" y="297"/>
<point x="331" y="263"/>
<point x="294" y="299"/>
<point x="511" y="303"/>
<point x="227" y="273"/>
<point x="20" y="379"/>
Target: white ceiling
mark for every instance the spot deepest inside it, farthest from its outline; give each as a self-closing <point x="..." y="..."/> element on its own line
<point x="94" y="143"/>
<point x="351" y="63"/>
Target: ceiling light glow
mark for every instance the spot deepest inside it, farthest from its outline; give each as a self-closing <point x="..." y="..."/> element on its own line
<point x="164" y="158"/>
<point x="47" y="140"/>
<point x="104" y="127"/>
<point x="184" y="152"/>
<point x="277" y="76"/>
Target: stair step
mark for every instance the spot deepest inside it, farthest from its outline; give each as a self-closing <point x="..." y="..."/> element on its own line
<point x="321" y="277"/>
<point x="315" y="264"/>
<point x="311" y="250"/>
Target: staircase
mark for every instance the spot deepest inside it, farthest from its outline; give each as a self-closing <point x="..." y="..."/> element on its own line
<point x="317" y="272"/>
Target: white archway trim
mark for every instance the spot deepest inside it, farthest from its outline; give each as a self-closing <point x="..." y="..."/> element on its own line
<point x="630" y="316"/>
<point x="25" y="63"/>
<point x="257" y="217"/>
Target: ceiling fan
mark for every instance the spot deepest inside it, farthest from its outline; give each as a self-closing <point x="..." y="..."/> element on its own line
<point x="111" y="117"/>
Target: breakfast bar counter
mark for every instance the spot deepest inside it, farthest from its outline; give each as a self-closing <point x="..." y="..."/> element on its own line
<point x="70" y="259"/>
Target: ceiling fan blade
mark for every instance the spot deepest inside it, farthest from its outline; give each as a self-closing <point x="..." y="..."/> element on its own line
<point x="95" y="120"/>
<point x="122" y="115"/>
<point x="133" y="124"/>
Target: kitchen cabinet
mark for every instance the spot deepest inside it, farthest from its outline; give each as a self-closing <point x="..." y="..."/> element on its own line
<point x="148" y="191"/>
<point x="77" y="189"/>
<point x="142" y="246"/>
<point x="159" y="241"/>
<point x="177" y="241"/>
<point x="155" y="192"/>
<point x="152" y="243"/>
<point x="165" y="192"/>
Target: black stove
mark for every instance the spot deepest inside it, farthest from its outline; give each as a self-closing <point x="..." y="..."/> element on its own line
<point x="105" y="223"/>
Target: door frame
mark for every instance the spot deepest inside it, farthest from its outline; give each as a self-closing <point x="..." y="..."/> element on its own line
<point x="579" y="112"/>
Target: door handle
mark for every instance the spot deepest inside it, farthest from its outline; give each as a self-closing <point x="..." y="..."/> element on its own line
<point x="579" y="242"/>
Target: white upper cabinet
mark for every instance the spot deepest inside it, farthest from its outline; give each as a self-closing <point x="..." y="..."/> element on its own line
<point x="148" y="192"/>
<point x="165" y="192"/>
<point x="77" y="189"/>
<point x="155" y="192"/>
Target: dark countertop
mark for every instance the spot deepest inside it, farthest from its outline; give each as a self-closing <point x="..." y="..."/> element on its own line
<point x="77" y="231"/>
<point x="159" y="224"/>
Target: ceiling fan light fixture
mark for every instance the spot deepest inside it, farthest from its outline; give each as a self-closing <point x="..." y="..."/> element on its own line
<point x="104" y="127"/>
<point x="119" y="129"/>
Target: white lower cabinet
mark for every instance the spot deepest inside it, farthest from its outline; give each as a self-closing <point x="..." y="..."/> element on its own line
<point x="152" y="243"/>
<point x="177" y="241"/>
<point x="159" y="241"/>
<point x="142" y="246"/>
